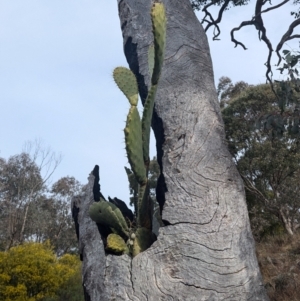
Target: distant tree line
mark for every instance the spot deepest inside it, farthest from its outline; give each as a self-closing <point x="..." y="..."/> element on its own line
<point x="30" y="208"/>
<point x="38" y="244"/>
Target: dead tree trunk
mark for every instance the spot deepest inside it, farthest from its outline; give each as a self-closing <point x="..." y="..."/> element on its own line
<point x="205" y="251"/>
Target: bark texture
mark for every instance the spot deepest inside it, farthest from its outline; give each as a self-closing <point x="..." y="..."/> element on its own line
<point x="206" y="250"/>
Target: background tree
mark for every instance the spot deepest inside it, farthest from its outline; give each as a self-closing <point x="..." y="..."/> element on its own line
<point x="227" y="90"/>
<point x="22" y="179"/>
<point x="31" y="271"/>
<point x="153" y="176"/>
<point x="61" y="232"/>
<point x="267" y="153"/>
<point x="50" y="217"/>
<point x="30" y="210"/>
<point x="71" y="289"/>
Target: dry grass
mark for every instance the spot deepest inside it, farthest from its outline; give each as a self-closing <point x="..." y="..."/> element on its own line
<point x="279" y="260"/>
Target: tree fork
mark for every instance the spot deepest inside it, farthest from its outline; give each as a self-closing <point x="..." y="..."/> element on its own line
<point x="206" y="250"/>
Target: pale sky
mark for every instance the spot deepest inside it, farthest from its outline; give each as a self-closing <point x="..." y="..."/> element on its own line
<point x="56" y="63"/>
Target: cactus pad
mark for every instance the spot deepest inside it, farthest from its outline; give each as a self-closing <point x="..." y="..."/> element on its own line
<point x="144" y="239"/>
<point x="144" y="208"/>
<point x="146" y="121"/>
<point x="158" y="17"/>
<point x="106" y="213"/>
<point x="151" y="57"/>
<point x="116" y="244"/>
<point x="126" y="81"/>
<point x="134" y="147"/>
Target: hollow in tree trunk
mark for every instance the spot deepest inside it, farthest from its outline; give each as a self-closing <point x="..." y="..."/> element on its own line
<point x="205" y="251"/>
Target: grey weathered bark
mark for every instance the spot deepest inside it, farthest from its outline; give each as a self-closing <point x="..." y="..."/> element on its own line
<point x="206" y="250"/>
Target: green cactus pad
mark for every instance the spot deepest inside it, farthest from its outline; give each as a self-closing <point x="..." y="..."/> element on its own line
<point x="116" y="244"/>
<point x="144" y="208"/>
<point x="158" y="17"/>
<point x="108" y="214"/>
<point x="146" y="121"/>
<point x="144" y="239"/>
<point x="151" y="57"/>
<point x="126" y="81"/>
<point x="134" y="147"/>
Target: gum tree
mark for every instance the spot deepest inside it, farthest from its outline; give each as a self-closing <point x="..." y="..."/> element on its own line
<point x="205" y="249"/>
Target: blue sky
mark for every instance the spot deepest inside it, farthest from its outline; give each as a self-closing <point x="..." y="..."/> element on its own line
<point x="56" y="62"/>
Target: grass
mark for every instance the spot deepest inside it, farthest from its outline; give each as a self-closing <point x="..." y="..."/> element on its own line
<point x="279" y="260"/>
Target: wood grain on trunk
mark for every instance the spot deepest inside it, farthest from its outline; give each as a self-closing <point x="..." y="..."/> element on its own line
<point x="206" y="250"/>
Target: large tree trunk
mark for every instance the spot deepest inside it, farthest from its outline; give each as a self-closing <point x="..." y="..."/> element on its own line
<point x="206" y="250"/>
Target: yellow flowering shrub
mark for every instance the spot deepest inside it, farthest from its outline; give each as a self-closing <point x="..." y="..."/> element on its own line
<point x="31" y="272"/>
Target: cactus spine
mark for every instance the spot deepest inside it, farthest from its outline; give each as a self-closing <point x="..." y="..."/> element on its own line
<point x="137" y="138"/>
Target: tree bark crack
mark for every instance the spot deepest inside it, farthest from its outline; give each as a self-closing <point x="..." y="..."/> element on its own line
<point x="212" y="249"/>
<point x="206" y="178"/>
<point x="184" y="54"/>
<point x="202" y="288"/>
<point x="131" y="280"/>
<point x="211" y="263"/>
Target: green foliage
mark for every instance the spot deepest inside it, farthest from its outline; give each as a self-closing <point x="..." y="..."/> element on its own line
<point x="153" y="174"/>
<point x="66" y="187"/>
<point x="133" y="187"/>
<point x="199" y="4"/>
<point x="227" y="90"/>
<point x="32" y="210"/>
<point x="290" y="61"/>
<point x="137" y="138"/>
<point x="267" y="157"/>
<point x="288" y="91"/>
<point x="32" y="272"/>
<point x="71" y="290"/>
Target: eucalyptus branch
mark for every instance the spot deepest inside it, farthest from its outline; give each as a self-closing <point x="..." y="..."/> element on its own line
<point x="257" y="21"/>
<point x="274" y="7"/>
<point x="244" y="23"/>
<point x="251" y="188"/>
<point x="286" y="37"/>
<point x="214" y="22"/>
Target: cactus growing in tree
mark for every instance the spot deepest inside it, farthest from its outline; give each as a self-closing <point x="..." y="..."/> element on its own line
<point x="206" y="251"/>
<point x="139" y="235"/>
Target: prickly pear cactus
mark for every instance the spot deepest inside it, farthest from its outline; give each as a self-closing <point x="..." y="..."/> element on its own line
<point x="116" y="244"/>
<point x="127" y="83"/>
<point x="137" y="137"/>
<point x="158" y="17"/>
<point x="134" y="146"/>
<point x="106" y="213"/>
<point x="143" y="240"/>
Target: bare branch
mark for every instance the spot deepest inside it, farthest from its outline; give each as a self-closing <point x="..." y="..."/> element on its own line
<point x="251" y="188"/>
<point x="44" y="157"/>
<point x="214" y="22"/>
<point x="244" y="23"/>
<point x="274" y="7"/>
<point x="257" y="21"/>
<point x="286" y="37"/>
